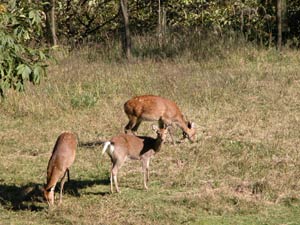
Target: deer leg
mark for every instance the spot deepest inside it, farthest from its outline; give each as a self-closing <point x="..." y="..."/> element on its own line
<point x="63" y="180"/>
<point x="131" y="124"/>
<point x="116" y="166"/>
<point x="114" y="178"/>
<point x="111" y="183"/>
<point x="145" y="166"/>
<point x="49" y="195"/>
<point x="170" y="131"/>
<point x="147" y="169"/>
<point x="68" y="175"/>
<point x="161" y="123"/>
<point x="51" y="183"/>
<point x="137" y="124"/>
<point x="111" y="177"/>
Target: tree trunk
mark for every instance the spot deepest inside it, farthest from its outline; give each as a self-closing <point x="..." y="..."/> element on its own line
<point x="53" y="24"/>
<point x="242" y="22"/>
<point x="126" y="39"/>
<point x="161" y="23"/>
<point x="279" y="25"/>
<point x="47" y="33"/>
<point x="284" y="19"/>
<point x="50" y="32"/>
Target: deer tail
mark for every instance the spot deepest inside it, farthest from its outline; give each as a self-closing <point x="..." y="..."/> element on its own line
<point x="105" y="147"/>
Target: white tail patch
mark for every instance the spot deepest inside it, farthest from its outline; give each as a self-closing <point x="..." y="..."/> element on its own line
<point x="111" y="149"/>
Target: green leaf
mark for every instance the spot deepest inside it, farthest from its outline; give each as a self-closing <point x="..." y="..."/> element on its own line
<point x="19" y="86"/>
<point x="42" y="55"/>
<point x="19" y="59"/>
<point x="24" y="71"/>
<point x="37" y="73"/>
<point x="35" y="17"/>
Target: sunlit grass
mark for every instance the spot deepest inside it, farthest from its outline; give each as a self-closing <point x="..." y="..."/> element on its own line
<point x="243" y="168"/>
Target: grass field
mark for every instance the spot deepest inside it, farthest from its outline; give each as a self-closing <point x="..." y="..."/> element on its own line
<point x="244" y="167"/>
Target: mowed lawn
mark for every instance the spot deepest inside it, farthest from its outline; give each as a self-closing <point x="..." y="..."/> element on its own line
<point x="244" y="167"/>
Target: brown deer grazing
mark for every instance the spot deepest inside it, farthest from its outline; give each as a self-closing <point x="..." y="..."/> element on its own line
<point x="130" y="146"/>
<point x="155" y="108"/>
<point x="62" y="158"/>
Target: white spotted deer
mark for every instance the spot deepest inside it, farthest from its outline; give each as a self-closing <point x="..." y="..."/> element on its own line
<point x="156" y="108"/>
<point x="63" y="156"/>
<point x="124" y="146"/>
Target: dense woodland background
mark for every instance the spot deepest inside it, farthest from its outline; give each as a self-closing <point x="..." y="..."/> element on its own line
<point x="165" y="28"/>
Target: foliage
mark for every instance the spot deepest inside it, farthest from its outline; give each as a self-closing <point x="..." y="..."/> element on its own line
<point x="293" y="19"/>
<point x="20" y="58"/>
<point x="81" y="20"/>
<point x="251" y="18"/>
<point x="99" y="20"/>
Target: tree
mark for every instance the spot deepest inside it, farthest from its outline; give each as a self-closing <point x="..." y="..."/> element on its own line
<point x="126" y="39"/>
<point x="20" y="28"/>
<point x="53" y="23"/>
<point x="161" y="25"/>
<point x="49" y="9"/>
<point x="279" y="24"/>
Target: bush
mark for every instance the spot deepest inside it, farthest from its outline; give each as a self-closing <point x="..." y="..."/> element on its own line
<point x="20" y="26"/>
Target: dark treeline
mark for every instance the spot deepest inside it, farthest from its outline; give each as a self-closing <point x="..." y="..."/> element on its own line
<point x="257" y="20"/>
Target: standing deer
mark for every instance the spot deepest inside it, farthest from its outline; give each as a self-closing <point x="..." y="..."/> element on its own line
<point x="130" y="146"/>
<point x="155" y="108"/>
<point x="62" y="158"/>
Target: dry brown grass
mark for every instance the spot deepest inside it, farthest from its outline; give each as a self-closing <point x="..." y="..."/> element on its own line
<point x="244" y="163"/>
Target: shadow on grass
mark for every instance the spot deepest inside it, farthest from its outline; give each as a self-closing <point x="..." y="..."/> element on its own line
<point x="29" y="197"/>
<point x="73" y="186"/>
<point x="90" y="144"/>
<point x="21" y="198"/>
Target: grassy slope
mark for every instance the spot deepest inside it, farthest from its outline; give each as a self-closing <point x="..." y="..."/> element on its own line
<point x="243" y="169"/>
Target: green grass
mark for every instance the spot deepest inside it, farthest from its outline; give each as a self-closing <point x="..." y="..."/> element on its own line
<point x="243" y="168"/>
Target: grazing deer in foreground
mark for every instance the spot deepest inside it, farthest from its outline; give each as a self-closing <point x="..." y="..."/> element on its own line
<point x="133" y="147"/>
<point x="62" y="158"/>
<point x="155" y="108"/>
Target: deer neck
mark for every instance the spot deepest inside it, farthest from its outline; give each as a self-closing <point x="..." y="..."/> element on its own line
<point x="183" y="126"/>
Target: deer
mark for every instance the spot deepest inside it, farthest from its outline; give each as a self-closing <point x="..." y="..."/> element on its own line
<point x="63" y="156"/>
<point x="156" y="108"/>
<point x="142" y="148"/>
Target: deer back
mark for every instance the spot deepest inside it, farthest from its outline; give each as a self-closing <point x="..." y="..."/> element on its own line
<point x="132" y="146"/>
<point x="63" y="153"/>
<point x="150" y="107"/>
